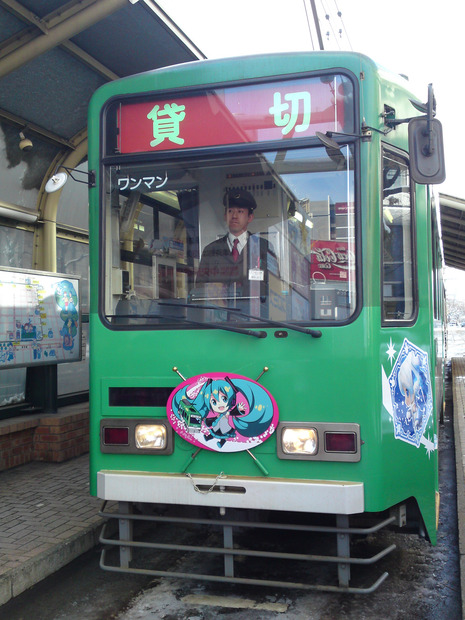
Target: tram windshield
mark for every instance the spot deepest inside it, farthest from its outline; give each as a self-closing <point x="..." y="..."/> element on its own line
<point x="170" y="259"/>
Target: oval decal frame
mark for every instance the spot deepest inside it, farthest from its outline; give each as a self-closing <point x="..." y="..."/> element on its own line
<point x="222" y="412"/>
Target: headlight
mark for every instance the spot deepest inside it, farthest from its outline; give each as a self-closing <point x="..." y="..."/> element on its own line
<point x="151" y="436"/>
<point x="300" y="441"/>
<point x="319" y="441"/>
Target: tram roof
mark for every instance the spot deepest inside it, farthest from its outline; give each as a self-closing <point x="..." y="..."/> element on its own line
<point x="453" y="230"/>
<point x="55" y="53"/>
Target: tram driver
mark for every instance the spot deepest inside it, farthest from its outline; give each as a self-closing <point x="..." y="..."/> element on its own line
<point x="236" y="262"/>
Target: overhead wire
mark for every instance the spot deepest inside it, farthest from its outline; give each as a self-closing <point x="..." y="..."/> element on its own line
<point x="330" y="25"/>
<point x="344" y="30"/>
<point x="333" y="16"/>
<point x="308" y="24"/>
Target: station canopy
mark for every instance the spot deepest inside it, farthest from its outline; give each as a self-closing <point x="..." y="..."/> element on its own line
<point x="54" y="54"/>
<point x="453" y="230"/>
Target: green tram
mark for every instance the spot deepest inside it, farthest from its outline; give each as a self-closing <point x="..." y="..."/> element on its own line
<point x="267" y="308"/>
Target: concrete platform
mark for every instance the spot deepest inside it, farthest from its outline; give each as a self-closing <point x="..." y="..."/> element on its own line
<point x="47" y="519"/>
<point x="458" y="390"/>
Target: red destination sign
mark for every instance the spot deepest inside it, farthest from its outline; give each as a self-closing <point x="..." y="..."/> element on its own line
<point x="274" y="111"/>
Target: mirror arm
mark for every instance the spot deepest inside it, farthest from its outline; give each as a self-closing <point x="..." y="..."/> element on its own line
<point x="90" y="175"/>
<point x="393" y="122"/>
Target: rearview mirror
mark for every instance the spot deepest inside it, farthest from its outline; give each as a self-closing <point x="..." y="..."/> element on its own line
<point x="426" y="150"/>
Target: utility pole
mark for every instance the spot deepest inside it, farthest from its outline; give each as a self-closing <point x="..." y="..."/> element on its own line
<point x="317" y="24"/>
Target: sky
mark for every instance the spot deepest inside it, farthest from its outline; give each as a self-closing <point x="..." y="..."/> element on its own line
<point x="422" y="39"/>
<point x="418" y="38"/>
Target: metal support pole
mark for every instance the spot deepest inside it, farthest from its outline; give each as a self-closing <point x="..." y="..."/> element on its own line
<point x="41" y="387"/>
<point x="125" y="533"/>
<point x="317" y="24"/>
<point x="343" y="551"/>
<point x="228" y="544"/>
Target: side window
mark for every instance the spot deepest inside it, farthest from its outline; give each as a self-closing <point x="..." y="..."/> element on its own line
<point x="438" y="288"/>
<point x="398" y="265"/>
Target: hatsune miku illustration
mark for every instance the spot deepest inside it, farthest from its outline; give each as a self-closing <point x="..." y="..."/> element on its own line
<point x="222" y="412"/>
<point x="66" y="299"/>
<point x="411" y="393"/>
<point x="412" y="384"/>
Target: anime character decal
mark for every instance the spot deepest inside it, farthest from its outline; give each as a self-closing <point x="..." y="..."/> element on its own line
<point x="66" y="299"/>
<point x="407" y="395"/>
<point x="222" y="412"/>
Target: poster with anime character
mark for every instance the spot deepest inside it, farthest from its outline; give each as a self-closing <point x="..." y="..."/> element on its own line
<point x="67" y="300"/>
<point x="222" y="412"/>
<point x="407" y="393"/>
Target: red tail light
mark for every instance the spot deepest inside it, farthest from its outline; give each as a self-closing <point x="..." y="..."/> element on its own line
<point x="340" y="442"/>
<point x="116" y="436"/>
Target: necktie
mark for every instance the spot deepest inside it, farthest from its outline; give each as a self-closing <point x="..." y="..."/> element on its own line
<point x="235" y="251"/>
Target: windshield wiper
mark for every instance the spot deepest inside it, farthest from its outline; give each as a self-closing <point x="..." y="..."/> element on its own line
<point x="228" y="328"/>
<point x="315" y="333"/>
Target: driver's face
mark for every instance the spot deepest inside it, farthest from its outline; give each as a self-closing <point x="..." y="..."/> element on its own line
<point x="237" y="220"/>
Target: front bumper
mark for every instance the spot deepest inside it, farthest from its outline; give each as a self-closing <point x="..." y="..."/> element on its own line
<point x="318" y="496"/>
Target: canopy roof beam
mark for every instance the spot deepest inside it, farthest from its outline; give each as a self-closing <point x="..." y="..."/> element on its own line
<point x="74" y="18"/>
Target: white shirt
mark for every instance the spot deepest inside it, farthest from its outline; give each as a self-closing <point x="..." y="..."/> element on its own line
<point x="242" y="241"/>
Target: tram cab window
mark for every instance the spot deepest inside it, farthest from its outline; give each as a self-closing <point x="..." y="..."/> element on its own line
<point x="299" y="251"/>
<point x="398" y="291"/>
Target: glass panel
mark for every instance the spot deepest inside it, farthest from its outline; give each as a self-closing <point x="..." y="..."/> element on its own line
<point x="170" y="227"/>
<point x="15" y="251"/>
<point x="12" y="386"/>
<point x="73" y="208"/>
<point x="398" y="274"/>
<point x="73" y="258"/>
<point x="74" y="378"/>
<point x="15" y="248"/>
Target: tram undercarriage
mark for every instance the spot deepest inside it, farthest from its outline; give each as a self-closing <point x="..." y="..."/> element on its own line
<point x="319" y="549"/>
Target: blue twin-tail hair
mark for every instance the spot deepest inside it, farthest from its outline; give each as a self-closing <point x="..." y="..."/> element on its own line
<point x="260" y="406"/>
<point x="411" y="377"/>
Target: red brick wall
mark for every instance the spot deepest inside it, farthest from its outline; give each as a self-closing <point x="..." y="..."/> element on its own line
<point x="61" y="437"/>
<point x="16" y="448"/>
<point x="53" y="437"/>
